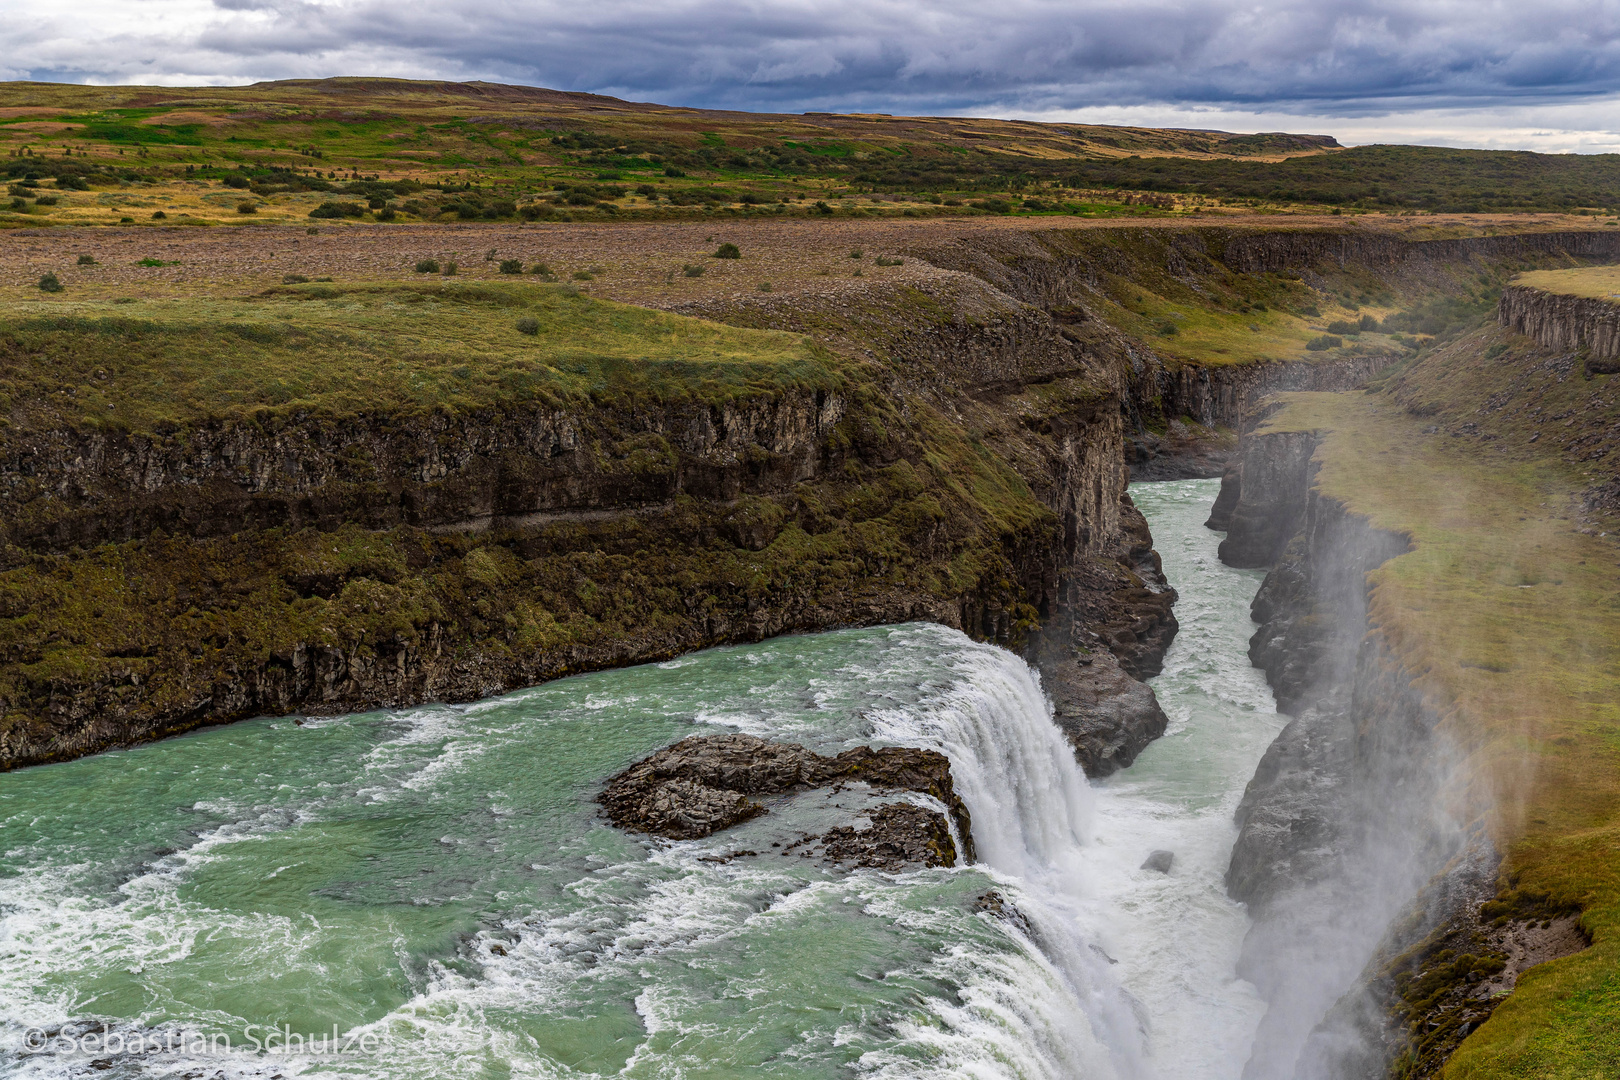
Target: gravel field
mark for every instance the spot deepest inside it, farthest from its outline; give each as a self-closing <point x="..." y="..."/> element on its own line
<point x="641" y="263"/>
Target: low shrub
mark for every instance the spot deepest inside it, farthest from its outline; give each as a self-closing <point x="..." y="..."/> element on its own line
<point x="1345" y="327"/>
<point x="541" y="269"/>
<point x="236" y="182"/>
<point x="583" y="275"/>
<point x="20" y="205"/>
<point x="763" y="286"/>
<point x="87" y="260"/>
<point x="881" y="261"/>
<point x="857" y="254"/>
<point x="121" y="221"/>
<point x="821" y="207"/>
<point x="1324" y="342"/>
<point x="728" y="251"/>
<point x="693" y="270"/>
<point x="994" y="206"/>
<point x="50" y="200"/>
<point x="159" y="215"/>
<point x="511" y="266"/>
<point x="1367" y="322"/>
<point x="450" y="269"/>
<point x="1166" y="329"/>
<point x="387" y="213"/>
<point x="672" y="171"/>
<point x="50" y="283"/>
<point x="528" y="325"/>
<point x="247" y="207"/>
<point x="338" y="210"/>
<point x="293" y="279"/>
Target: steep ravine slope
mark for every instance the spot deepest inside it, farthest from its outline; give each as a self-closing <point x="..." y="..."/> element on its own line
<point x="954" y="452"/>
<point x="1422" y="837"/>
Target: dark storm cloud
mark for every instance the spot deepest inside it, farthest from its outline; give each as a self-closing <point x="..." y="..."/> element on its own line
<point x="964" y="55"/>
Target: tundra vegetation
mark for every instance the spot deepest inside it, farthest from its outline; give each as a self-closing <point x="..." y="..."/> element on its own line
<point x="423" y="152"/>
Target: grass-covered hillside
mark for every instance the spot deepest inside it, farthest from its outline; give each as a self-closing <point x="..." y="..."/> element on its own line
<point x="377" y="149"/>
<point x="1496" y="456"/>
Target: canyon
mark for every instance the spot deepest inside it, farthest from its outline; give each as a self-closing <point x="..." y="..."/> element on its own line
<point x="958" y="452"/>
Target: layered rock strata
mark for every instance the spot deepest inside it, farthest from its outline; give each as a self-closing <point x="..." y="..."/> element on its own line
<point x="1560" y="321"/>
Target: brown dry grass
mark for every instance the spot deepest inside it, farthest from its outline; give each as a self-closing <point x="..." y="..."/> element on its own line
<point x="635" y="262"/>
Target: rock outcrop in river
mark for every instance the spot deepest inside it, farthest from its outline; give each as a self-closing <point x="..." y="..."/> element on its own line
<point x="704" y="784"/>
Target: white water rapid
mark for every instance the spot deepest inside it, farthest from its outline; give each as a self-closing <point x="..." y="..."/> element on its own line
<point x="441" y="879"/>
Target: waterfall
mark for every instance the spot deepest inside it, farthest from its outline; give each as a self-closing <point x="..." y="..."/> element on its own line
<point x="1032" y="812"/>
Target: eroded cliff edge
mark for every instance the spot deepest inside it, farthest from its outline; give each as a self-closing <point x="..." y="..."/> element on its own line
<point x="958" y="453"/>
<point x="1381" y="845"/>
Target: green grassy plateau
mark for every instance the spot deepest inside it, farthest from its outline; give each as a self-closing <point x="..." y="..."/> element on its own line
<point x="402" y="349"/>
<point x="393" y="150"/>
<point x="1595" y="282"/>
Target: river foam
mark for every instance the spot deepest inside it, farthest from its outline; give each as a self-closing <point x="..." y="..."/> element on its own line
<point x="438" y="880"/>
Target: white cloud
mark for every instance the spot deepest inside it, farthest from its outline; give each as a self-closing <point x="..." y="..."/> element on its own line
<point x="1490" y="74"/>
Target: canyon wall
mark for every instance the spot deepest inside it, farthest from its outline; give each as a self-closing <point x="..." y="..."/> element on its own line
<point x="1561" y="321"/>
<point x="1340" y="827"/>
<point x="966" y="462"/>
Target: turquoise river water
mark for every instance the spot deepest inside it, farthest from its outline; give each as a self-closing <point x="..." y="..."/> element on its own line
<point x="432" y="892"/>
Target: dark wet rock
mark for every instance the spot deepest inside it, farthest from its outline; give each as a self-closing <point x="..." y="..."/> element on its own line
<point x="1120" y="602"/>
<point x="1107" y="716"/>
<point x="1160" y="861"/>
<point x="1220" y="515"/>
<point x="701" y="784"/>
<point x="1290" y="819"/>
<point x="993" y="903"/>
<point x="1183" y="452"/>
<point x="1272" y="497"/>
<point x="900" y="835"/>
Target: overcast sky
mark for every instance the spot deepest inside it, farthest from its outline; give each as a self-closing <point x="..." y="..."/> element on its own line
<point x="1539" y="75"/>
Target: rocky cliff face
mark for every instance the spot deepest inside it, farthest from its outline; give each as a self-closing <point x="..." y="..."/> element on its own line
<point x="1274" y="250"/>
<point x="63" y="488"/>
<point x="1557" y="321"/>
<point x="1341" y="827"/>
<point x="241" y="567"/>
<point x="236" y="567"/>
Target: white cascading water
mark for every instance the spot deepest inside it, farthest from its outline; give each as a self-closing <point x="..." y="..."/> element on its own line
<point x="1032" y="811"/>
<point x="461" y="895"/>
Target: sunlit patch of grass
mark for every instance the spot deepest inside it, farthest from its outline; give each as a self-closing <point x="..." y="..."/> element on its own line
<point x="1598" y="282"/>
<point x="347" y="350"/>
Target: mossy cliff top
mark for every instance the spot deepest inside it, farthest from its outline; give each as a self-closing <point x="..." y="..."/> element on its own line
<point x="407" y="348"/>
<point x="1505" y="609"/>
<point x="1591" y="282"/>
